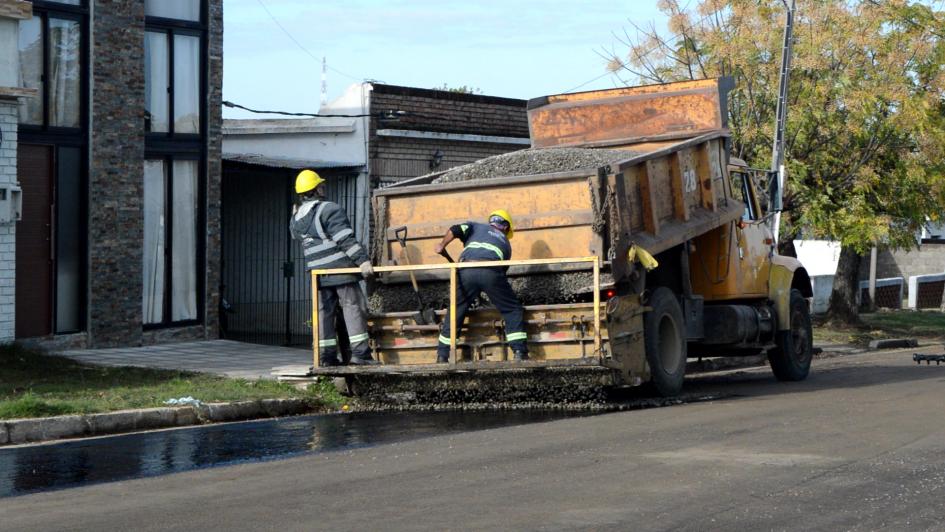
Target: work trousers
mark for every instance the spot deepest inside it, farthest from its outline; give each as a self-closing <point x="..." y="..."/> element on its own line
<point x="354" y="307"/>
<point x="472" y="282"/>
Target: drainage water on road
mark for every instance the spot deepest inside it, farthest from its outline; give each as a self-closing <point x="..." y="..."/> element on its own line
<point x="79" y="462"/>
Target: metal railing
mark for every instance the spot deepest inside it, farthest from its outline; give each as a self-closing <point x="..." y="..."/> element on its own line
<point x="454" y="268"/>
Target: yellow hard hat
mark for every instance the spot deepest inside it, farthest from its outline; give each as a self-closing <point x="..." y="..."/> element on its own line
<point x="502" y="213"/>
<point x="307" y="180"/>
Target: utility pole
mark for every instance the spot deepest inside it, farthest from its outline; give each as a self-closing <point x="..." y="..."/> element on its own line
<point x="777" y="156"/>
<point x="324" y="82"/>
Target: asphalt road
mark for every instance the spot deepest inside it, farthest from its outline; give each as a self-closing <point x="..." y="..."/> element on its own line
<point x="860" y="445"/>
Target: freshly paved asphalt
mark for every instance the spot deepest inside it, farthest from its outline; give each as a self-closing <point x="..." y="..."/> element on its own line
<point x="860" y="445"/>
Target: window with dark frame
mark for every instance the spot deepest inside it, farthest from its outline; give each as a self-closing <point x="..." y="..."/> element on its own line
<point x="53" y="50"/>
<point x="174" y="169"/>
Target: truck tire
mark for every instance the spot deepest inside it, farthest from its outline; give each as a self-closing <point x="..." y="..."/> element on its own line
<point x="790" y="359"/>
<point x="664" y="336"/>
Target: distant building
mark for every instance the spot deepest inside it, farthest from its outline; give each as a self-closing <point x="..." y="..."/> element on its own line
<point x="119" y="163"/>
<point x="387" y="134"/>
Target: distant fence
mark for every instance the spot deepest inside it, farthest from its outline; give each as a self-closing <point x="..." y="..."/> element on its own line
<point x="889" y="293"/>
<point x="925" y="291"/>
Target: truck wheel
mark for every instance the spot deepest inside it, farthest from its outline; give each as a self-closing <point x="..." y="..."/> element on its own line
<point x="665" y="340"/>
<point x="790" y="360"/>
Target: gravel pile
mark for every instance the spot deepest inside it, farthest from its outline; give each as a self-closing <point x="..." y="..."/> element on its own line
<point x="576" y="389"/>
<point x="581" y="387"/>
<point x="534" y="161"/>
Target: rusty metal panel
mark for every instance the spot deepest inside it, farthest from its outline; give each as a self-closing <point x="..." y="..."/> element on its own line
<point x="629" y="115"/>
<point x="555" y="332"/>
<point x="552" y="219"/>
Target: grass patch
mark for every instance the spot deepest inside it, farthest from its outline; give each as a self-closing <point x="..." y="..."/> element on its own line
<point x="884" y="324"/>
<point x="38" y="385"/>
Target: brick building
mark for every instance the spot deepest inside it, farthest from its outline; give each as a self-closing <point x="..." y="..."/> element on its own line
<point x="119" y="162"/>
<point x="438" y="130"/>
<point x="384" y="134"/>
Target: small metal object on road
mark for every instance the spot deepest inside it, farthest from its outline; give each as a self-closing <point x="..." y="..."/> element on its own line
<point x="928" y="359"/>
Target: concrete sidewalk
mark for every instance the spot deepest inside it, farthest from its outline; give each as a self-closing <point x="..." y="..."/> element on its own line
<point x="222" y="357"/>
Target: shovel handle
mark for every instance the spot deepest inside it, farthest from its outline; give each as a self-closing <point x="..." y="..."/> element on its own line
<point x="401" y="234"/>
<point x="446" y="255"/>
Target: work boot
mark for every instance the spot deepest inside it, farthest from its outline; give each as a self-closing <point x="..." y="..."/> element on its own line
<point x="328" y="361"/>
<point x="520" y="356"/>
<point x="442" y="359"/>
<point x="366" y="360"/>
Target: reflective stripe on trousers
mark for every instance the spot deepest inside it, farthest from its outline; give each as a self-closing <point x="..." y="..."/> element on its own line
<point x="353" y="308"/>
<point x="494" y="283"/>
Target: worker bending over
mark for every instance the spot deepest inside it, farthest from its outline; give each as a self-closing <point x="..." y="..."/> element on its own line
<point x="485" y="242"/>
<point x="328" y="242"/>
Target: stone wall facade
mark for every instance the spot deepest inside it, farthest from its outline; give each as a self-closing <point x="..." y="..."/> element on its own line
<point x="116" y="178"/>
<point x="116" y="174"/>
<point x="214" y="170"/>
<point x="8" y="126"/>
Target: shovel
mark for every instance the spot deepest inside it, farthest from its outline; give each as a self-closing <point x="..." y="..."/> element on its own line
<point x="425" y="315"/>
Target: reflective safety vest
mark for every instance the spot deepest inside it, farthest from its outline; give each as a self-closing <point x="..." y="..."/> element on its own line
<point x="482" y="241"/>
<point x="327" y="240"/>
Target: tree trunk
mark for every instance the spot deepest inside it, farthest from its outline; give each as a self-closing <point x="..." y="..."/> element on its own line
<point x="842" y="308"/>
<point x="942" y="308"/>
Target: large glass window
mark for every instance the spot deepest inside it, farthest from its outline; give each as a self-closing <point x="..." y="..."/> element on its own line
<point x="70" y="241"/>
<point x="186" y="84"/>
<point x="172" y="81"/>
<point x="51" y="62"/>
<point x="171" y="241"/>
<point x="155" y="180"/>
<point x="64" y="72"/>
<point x="156" y="82"/>
<point x="175" y="62"/>
<point x="31" y="69"/>
<point x="175" y="9"/>
<point x="184" y="241"/>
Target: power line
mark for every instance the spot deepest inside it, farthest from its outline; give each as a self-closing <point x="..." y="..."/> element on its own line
<point x="383" y="114"/>
<point x="589" y="82"/>
<point x="297" y="43"/>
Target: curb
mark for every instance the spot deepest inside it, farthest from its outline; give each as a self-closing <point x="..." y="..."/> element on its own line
<point x="894" y="343"/>
<point x="18" y="431"/>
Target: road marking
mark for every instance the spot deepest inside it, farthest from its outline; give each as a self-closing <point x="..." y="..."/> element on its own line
<point x="738" y="456"/>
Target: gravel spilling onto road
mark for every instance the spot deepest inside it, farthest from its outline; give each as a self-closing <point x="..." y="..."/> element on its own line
<point x="535" y="161"/>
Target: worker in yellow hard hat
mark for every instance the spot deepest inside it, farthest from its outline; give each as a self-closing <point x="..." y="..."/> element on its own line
<point x="328" y="242"/>
<point x="485" y="242"/>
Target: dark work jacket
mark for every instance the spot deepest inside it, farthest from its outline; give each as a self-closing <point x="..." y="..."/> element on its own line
<point x="482" y="242"/>
<point x="327" y="240"/>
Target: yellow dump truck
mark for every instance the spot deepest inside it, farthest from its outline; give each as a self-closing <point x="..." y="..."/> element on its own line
<point x="720" y="288"/>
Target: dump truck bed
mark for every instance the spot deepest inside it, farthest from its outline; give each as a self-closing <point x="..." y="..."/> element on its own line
<point x="656" y="200"/>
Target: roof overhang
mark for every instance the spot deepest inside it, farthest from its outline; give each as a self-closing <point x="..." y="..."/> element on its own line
<point x="287" y="163"/>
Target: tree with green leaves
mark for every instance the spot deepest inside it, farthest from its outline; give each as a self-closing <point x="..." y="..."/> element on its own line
<point x="865" y="140"/>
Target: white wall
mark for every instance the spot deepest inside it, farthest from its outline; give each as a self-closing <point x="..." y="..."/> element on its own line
<point x="9" y="113"/>
<point x="9" y="54"/>
<point x="335" y="139"/>
<point x="819" y="257"/>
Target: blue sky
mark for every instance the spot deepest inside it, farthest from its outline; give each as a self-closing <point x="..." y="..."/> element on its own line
<point x="513" y="48"/>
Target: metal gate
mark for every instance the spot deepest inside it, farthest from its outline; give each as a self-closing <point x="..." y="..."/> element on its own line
<point x="266" y="294"/>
